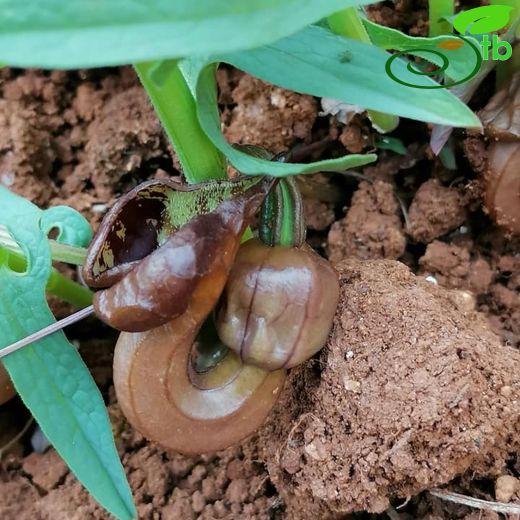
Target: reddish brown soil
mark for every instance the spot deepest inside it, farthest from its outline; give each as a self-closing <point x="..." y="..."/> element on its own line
<point x="413" y="390"/>
<point x="229" y="485"/>
<point x="435" y="210"/>
<point x="268" y="116"/>
<point x="372" y="226"/>
<point x="77" y="138"/>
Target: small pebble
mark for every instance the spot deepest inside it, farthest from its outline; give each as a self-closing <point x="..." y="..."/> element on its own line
<point x="351" y="385"/>
<point x="505" y="487"/>
<point x="39" y="442"/>
<point x="99" y="208"/>
<point x="506" y="391"/>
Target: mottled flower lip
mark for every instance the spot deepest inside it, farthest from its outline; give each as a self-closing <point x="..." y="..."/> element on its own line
<point x="158" y="287"/>
<point x="141" y="221"/>
<point x="129" y="232"/>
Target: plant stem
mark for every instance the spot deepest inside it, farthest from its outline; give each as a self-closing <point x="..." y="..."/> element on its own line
<point x="67" y="254"/>
<point x="439" y="9"/>
<point x="57" y="284"/>
<point x="282" y="220"/>
<point x="347" y="22"/>
<point x="176" y="107"/>
<point x="60" y="252"/>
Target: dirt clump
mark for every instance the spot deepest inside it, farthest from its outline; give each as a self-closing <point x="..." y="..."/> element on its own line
<point x="124" y="135"/>
<point x="318" y="215"/>
<point x="77" y="138"/>
<point x="46" y="471"/>
<point x="230" y="484"/>
<point x="355" y="136"/>
<point x="26" y="157"/>
<point x="435" y="210"/>
<point x="319" y="198"/>
<point x="503" y="306"/>
<point x="19" y="497"/>
<point x="452" y="266"/>
<point x="372" y="226"/>
<point x="269" y="116"/>
<point x="410" y="16"/>
<point x="506" y="486"/>
<point x="408" y="393"/>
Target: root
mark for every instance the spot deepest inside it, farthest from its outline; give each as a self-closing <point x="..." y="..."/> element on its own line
<point x="16" y="438"/>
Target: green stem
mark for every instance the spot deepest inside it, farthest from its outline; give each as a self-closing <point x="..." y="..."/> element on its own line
<point x="348" y="23"/>
<point x="60" y="252"/>
<point x="439" y="9"/>
<point x="57" y="284"/>
<point x="282" y="220"/>
<point x="176" y="107"/>
<point x="67" y="254"/>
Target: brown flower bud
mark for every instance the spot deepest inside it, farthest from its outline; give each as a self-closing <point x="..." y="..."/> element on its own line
<point x="278" y="305"/>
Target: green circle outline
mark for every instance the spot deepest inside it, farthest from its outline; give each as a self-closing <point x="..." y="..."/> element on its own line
<point x="474" y="72"/>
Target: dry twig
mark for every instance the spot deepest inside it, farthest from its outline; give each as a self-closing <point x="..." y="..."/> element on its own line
<point x="477" y="503"/>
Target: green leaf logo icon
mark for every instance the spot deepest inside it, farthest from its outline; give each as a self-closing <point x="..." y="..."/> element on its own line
<point x="482" y="20"/>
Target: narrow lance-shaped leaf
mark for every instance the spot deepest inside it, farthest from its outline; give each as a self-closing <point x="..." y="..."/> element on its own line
<point x="201" y="78"/>
<point x="50" y="375"/>
<point x="320" y="63"/>
<point x="315" y="61"/>
<point x="89" y="33"/>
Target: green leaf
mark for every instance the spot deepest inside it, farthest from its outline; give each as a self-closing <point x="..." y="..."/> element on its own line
<point x="59" y="285"/>
<point x="50" y="375"/>
<point x="349" y="23"/>
<point x="439" y="11"/>
<point x="200" y="77"/>
<point x="317" y="62"/>
<point x="447" y="156"/>
<point x="484" y="19"/>
<point x="92" y="33"/>
<point x="394" y="144"/>
<point x="461" y="61"/>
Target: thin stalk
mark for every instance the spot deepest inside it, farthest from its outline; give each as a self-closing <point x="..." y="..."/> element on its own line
<point x="47" y="331"/>
<point x="439" y="9"/>
<point x="60" y="252"/>
<point x="347" y="22"/>
<point x="477" y="503"/>
<point x="176" y="107"/>
<point x="57" y="284"/>
<point x="282" y="219"/>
